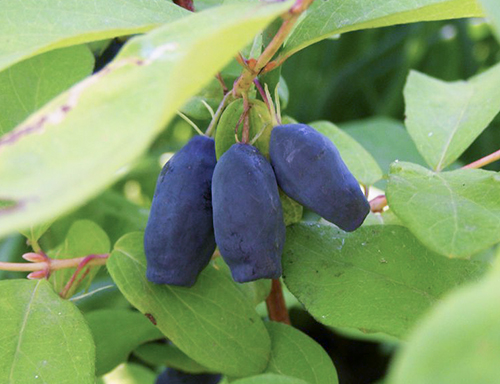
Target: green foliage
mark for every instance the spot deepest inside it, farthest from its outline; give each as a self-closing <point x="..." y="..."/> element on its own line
<point x="112" y="104"/>
<point x="457" y="342"/>
<point x="444" y="118"/>
<point x="44" y="338"/>
<point x="377" y="279"/>
<point x="456" y="214"/>
<point x="296" y="355"/>
<point x="117" y="332"/>
<point x="231" y="339"/>
<point x="80" y="152"/>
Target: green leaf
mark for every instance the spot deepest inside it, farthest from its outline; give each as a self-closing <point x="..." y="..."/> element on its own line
<point x="213" y="322"/>
<point x="458" y="342"/>
<point x="117" y="332"/>
<point x="492" y="8"/>
<point x="260" y="123"/>
<point x="44" y="338"/>
<point x="376" y="279"/>
<point x="454" y="213"/>
<point x="295" y="354"/>
<point x="28" y="28"/>
<point x="84" y="238"/>
<point x="129" y="373"/>
<point x="80" y="142"/>
<point x="385" y="139"/>
<point x="330" y="17"/>
<point x="270" y="378"/>
<point x="168" y="355"/>
<point x="30" y="84"/>
<point x="292" y="211"/>
<point x="445" y="118"/>
<point x="362" y="165"/>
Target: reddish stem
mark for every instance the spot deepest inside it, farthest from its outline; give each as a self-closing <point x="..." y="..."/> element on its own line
<point x="484" y="161"/>
<point x="186" y="4"/>
<point x="378" y="204"/>
<point x="276" y="305"/>
<point x="80" y="266"/>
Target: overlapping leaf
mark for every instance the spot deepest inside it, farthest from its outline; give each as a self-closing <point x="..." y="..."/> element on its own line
<point x="295" y="354"/>
<point x="377" y="279"/>
<point x="30" y="27"/>
<point x="330" y="17"/>
<point x="492" y="8"/>
<point x="456" y="214"/>
<point x="78" y="144"/>
<point x="445" y="118"/>
<point x="213" y="322"/>
<point x="43" y="338"/>
<point x="459" y="341"/>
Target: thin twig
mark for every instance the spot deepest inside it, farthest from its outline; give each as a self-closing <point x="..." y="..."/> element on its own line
<point x="223" y="104"/>
<point x="53" y="264"/>
<point x="378" y="204"/>
<point x="276" y="305"/>
<point x="264" y="63"/>
<point x="484" y="161"/>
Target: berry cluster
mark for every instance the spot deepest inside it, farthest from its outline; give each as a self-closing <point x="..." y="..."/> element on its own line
<point x="235" y="204"/>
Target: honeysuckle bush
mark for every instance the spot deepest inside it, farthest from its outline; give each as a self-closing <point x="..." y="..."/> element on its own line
<point x="80" y="151"/>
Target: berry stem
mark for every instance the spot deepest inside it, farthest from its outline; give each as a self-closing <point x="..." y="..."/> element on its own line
<point x="52" y="264"/>
<point x="264" y="63"/>
<point x="223" y="104"/>
<point x="186" y="4"/>
<point x="378" y="204"/>
<point x="85" y="262"/>
<point x="276" y="305"/>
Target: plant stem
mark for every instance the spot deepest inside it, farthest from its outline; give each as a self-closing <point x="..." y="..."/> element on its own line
<point x="263" y="63"/>
<point x="276" y="305"/>
<point x="186" y="4"/>
<point x="52" y="264"/>
<point x="484" y="161"/>
<point x="223" y="104"/>
<point x="378" y="204"/>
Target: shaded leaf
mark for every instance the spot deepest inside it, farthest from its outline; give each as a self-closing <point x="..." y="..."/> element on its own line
<point x="295" y="354"/>
<point x="44" y="338"/>
<point x="376" y="279"/>
<point x="28" y="27"/>
<point x="30" y="84"/>
<point x="163" y="354"/>
<point x="270" y="378"/>
<point x="445" y="118"/>
<point x="458" y="342"/>
<point x="330" y="17"/>
<point x="213" y="322"/>
<point x="454" y="213"/>
<point x="117" y="332"/>
<point x="129" y="373"/>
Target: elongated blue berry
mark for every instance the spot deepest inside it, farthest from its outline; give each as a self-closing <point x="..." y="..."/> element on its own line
<point x="248" y="218"/>
<point x="309" y="169"/>
<point x="179" y="239"/>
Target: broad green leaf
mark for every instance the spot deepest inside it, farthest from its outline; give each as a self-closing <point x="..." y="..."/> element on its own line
<point x="377" y="279"/>
<point x="44" y="339"/>
<point x="129" y="373"/>
<point x="456" y="214"/>
<point x="213" y="322"/>
<point x="295" y="354"/>
<point x="445" y="118"/>
<point x="84" y="238"/>
<point x="362" y="165"/>
<point x="331" y="17"/>
<point x="270" y="378"/>
<point x="168" y="355"/>
<point x="385" y="139"/>
<point x="31" y="27"/>
<point x="34" y="232"/>
<point x="458" y="342"/>
<point x="30" y="84"/>
<point x="358" y="334"/>
<point x="117" y="332"/>
<point x="492" y="9"/>
<point x="81" y="141"/>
